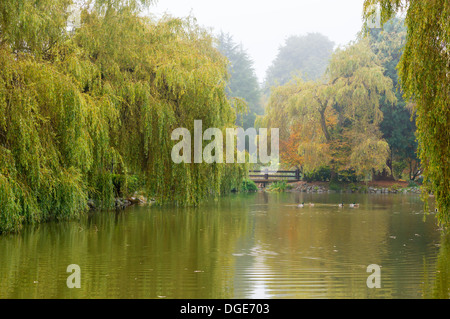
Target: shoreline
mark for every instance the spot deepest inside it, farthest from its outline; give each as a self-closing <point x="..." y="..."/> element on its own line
<point x="375" y="187"/>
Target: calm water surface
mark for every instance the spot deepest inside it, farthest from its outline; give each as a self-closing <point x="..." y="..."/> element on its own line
<point x="242" y="246"/>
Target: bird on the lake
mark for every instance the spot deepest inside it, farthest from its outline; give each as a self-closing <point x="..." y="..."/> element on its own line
<point x="311" y="204"/>
<point x="354" y="205"/>
<point x="301" y="205"/>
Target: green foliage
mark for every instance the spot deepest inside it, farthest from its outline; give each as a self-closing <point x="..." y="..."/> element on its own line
<point x="420" y="180"/>
<point x="134" y="184"/>
<point x="370" y="154"/>
<point x="363" y="189"/>
<point x="398" y="167"/>
<point x="44" y="144"/>
<point x="398" y="125"/>
<point x="279" y="186"/>
<point x="424" y="73"/>
<point x="348" y="175"/>
<point x="126" y="185"/>
<point x="33" y="26"/>
<point x="81" y="112"/>
<point x="353" y="187"/>
<point x="249" y="186"/>
<point x="322" y="174"/>
<point x="412" y="184"/>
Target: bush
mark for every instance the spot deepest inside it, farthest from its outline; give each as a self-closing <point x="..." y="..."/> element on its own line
<point x="126" y="185"/>
<point x="322" y="174"/>
<point x="412" y="184"/>
<point x="249" y="186"/>
<point x="134" y="184"/>
<point x="353" y="187"/>
<point x="278" y="186"/>
<point x="348" y="176"/>
<point x="364" y="189"/>
<point x="398" y="168"/>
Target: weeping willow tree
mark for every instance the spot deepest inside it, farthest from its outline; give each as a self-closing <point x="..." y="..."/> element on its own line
<point x="336" y="120"/>
<point x="81" y="110"/>
<point x="424" y="71"/>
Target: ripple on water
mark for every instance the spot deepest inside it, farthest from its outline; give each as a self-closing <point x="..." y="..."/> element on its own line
<point x="247" y="247"/>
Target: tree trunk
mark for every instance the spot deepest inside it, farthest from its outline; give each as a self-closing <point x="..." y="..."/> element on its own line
<point x="323" y="123"/>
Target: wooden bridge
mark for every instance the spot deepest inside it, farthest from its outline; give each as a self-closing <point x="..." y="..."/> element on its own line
<point x="267" y="176"/>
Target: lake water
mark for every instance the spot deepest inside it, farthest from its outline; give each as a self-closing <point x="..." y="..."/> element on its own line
<point x="242" y="246"/>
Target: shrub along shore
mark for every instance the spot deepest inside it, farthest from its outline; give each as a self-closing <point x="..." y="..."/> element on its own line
<point x="385" y="187"/>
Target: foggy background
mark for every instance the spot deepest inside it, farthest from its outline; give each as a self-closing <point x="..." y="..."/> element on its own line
<point x="262" y="26"/>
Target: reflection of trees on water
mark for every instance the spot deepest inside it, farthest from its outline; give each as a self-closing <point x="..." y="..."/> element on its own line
<point x="253" y="246"/>
<point x="138" y="253"/>
<point x="323" y="251"/>
<point x="439" y="287"/>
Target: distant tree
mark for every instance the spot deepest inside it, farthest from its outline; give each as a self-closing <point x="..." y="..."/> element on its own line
<point x="398" y="125"/>
<point x="338" y="119"/>
<point x="305" y="56"/>
<point x="243" y="81"/>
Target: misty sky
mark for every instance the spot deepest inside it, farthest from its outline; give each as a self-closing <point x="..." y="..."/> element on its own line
<point x="262" y="25"/>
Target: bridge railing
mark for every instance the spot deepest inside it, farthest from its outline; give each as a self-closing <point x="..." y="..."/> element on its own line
<point x="268" y="175"/>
